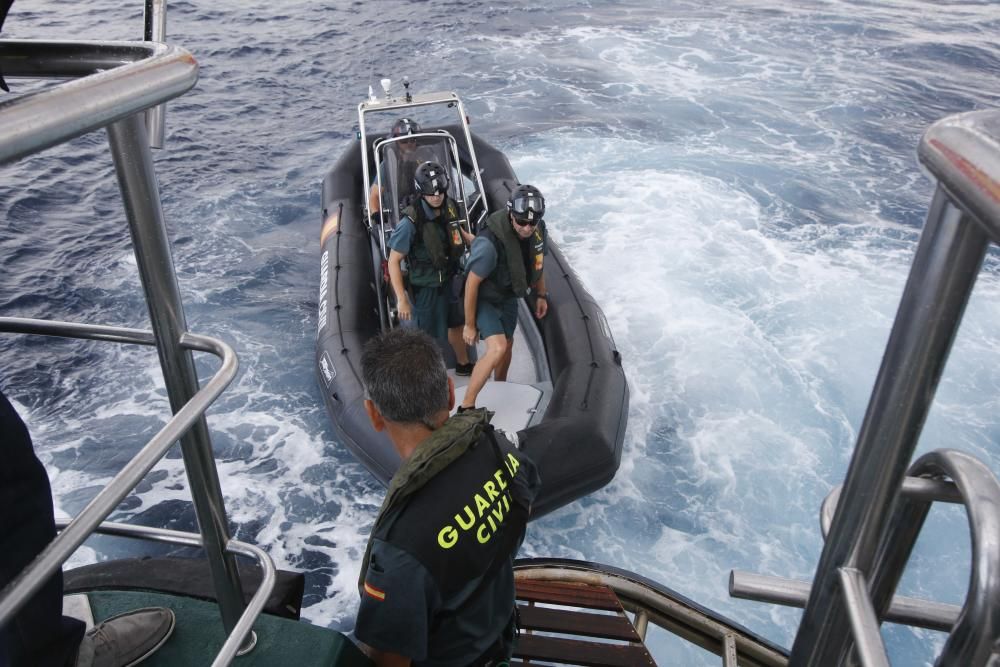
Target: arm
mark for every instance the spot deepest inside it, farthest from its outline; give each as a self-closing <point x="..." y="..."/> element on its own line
<point x="472" y="282"/>
<point x="541" y="303"/>
<point x="396" y="278"/>
<point x="375" y="199"/>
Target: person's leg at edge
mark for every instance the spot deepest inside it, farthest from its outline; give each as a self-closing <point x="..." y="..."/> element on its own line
<point x="38" y="635"/>
<point x="458" y="345"/>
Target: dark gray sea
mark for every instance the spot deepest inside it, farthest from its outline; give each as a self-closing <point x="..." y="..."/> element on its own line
<point x="736" y="183"/>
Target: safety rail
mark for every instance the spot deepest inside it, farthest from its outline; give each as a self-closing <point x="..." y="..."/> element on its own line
<point x="112" y="86"/>
<point x="98" y="509"/>
<point x="870" y="529"/>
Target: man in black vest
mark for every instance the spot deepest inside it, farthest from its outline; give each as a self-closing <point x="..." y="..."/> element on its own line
<point x="431" y="239"/>
<point x="505" y="264"/>
<point x="437" y="582"/>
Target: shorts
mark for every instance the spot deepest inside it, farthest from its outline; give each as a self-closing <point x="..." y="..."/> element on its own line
<point x="493" y="319"/>
<point x="430" y="310"/>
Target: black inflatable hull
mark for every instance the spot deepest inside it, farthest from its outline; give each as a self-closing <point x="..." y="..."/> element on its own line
<point x="577" y="445"/>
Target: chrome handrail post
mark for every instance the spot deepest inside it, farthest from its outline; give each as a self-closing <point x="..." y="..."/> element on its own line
<point x="137" y="180"/>
<point x="155" y="30"/>
<point x="947" y="262"/>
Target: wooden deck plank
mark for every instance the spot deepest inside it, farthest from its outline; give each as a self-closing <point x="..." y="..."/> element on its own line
<point x="574" y="595"/>
<point x="589" y="654"/>
<point x="580" y="623"/>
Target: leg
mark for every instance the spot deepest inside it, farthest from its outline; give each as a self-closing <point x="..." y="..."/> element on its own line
<point x="457" y="344"/>
<point x="500" y="372"/>
<point x="495" y="346"/>
<point x="456" y="321"/>
<point x="38" y="634"/>
<point x="508" y="320"/>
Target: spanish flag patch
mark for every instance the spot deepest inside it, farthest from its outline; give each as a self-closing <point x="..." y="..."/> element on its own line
<point x="374" y="592"/>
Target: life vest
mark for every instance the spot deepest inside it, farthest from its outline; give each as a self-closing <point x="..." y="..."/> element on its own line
<point x="511" y="278"/>
<point x="438" y="247"/>
<point x="465" y="522"/>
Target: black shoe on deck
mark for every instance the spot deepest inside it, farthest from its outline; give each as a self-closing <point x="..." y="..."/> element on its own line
<point x="464" y="369"/>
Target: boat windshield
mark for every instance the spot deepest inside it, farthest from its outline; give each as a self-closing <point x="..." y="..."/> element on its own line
<point x="398" y="159"/>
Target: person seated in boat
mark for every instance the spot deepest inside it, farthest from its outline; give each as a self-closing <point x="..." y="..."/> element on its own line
<point x="406" y="159"/>
<point x="431" y="239"/>
<point x="38" y="635"/>
<point x="437" y="580"/>
<point x="505" y="264"/>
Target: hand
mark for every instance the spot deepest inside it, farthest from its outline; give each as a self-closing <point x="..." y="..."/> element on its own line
<point x="469" y="334"/>
<point x="541" y="307"/>
<point x="404" y="309"/>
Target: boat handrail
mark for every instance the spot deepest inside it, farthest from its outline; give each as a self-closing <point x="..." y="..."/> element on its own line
<point x="55" y="554"/>
<point x="861" y="562"/>
<point x="118" y="82"/>
<point x="117" y="79"/>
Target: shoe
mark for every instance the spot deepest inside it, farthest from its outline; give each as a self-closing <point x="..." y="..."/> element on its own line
<point x="464" y="369"/>
<point x="126" y="639"/>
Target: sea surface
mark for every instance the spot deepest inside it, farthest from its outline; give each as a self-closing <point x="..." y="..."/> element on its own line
<point x="736" y="184"/>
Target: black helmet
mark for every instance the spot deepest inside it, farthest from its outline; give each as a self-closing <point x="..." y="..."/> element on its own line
<point x="430" y="179"/>
<point x="404" y="126"/>
<point x="526" y="203"/>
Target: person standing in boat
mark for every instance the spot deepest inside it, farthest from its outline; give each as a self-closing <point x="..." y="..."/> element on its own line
<point x="406" y="156"/>
<point x="437" y="580"/>
<point x="431" y="239"/>
<point x="505" y="264"/>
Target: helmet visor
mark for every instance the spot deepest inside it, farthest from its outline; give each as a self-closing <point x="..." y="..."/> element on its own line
<point x="528" y="208"/>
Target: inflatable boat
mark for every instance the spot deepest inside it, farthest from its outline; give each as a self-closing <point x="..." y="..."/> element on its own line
<point x="566" y="398"/>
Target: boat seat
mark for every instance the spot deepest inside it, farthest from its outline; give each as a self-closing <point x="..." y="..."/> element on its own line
<point x="574" y="615"/>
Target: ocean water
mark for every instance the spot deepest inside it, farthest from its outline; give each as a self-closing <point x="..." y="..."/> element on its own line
<point x="737" y="185"/>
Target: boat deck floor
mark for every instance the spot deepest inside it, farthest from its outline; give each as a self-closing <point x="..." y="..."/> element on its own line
<point x="198" y="635"/>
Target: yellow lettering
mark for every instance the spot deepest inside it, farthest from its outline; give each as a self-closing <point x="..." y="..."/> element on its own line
<point x="498" y="513"/>
<point x="506" y="503"/>
<point x="491" y="490"/>
<point x="447" y="537"/>
<point x="463" y="524"/>
<point x="481" y="505"/>
<point x="493" y="526"/>
<point x="498" y="475"/>
<point x="514" y="463"/>
<point x="481" y="534"/>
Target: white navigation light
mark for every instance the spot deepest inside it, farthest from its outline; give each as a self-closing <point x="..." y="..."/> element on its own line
<point x="385" y="86"/>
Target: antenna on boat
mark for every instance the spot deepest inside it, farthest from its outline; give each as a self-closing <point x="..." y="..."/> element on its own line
<point x="371" y="94"/>
<point x="406" y="85"/>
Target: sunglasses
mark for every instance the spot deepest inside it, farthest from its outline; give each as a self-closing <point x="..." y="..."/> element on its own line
<point x="525" y="222"/>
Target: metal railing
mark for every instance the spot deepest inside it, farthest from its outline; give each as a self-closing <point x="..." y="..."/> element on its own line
<point x="118" y="82"/>
<point x="871" y="531"/>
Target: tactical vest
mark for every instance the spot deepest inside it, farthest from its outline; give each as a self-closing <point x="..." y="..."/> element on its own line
<point x="438" y="245"/>
<point x="464" y="523"/>
<point x="511" y="278"/>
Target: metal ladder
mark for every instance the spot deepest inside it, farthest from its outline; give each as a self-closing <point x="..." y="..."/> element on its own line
<point x="121" y="86"/>
<point x="871" y="524"/>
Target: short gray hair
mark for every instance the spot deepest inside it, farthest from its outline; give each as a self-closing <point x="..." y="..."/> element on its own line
<point x="405" y="376"/>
